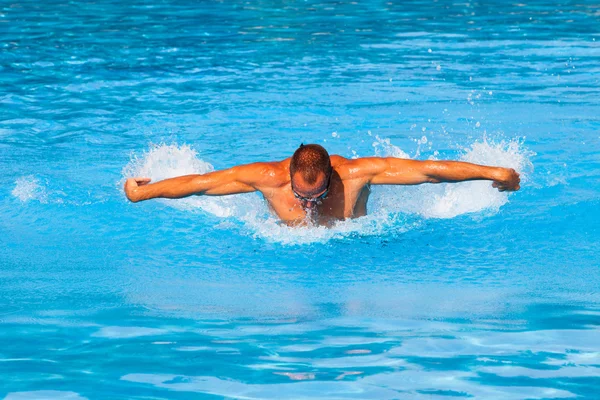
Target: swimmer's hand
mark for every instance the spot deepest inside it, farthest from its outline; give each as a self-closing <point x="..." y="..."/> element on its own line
<point x="509" y="180"/>
<point x="131" y="188"/>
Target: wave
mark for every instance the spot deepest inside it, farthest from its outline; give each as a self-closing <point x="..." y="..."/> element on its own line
<point x="392" y="209"/>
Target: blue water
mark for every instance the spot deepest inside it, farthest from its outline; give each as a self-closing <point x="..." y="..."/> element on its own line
<point x="443" y="291"/>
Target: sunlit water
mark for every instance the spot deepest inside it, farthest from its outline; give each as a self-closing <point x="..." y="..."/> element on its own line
<point x="442" y="291"/>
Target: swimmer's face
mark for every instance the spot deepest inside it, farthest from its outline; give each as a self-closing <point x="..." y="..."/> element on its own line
<point x="310" y="194"/>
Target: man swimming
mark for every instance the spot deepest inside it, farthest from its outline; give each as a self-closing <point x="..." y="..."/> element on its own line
<point x="318" y="186"/>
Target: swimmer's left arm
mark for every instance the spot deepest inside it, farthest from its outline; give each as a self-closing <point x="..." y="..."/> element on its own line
<point x="398" y="171"/>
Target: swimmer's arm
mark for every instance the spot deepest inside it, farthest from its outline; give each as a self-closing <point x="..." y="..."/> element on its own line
<point x="240" y="179"/>
<point x="398" y="171"/>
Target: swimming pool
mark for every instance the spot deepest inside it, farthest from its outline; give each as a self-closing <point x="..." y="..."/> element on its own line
<point x="442" y="291"/>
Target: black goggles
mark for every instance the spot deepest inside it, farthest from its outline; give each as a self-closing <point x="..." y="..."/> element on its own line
<point x="313" y="199"/>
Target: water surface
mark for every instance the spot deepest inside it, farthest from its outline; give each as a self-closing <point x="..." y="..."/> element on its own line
<point x="443" y="291"/>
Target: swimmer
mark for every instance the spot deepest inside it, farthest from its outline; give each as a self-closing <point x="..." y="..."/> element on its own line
<point x="316" y="185"/>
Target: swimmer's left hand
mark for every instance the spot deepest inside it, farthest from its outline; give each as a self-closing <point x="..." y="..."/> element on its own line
<point x="509" y="181"/>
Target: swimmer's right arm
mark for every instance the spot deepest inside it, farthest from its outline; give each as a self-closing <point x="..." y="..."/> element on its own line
<point x="240" y="179"/>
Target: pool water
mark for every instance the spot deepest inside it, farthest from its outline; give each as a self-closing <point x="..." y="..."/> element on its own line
<point x="443" y="291"/>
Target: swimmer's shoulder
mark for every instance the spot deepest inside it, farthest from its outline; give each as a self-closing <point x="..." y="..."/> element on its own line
<point x="337" y="160"/>
<point x="272" y="173"/>
<point x="350" y="168"/>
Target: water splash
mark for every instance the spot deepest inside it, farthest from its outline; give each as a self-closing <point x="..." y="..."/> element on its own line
<point x="393" y="209"/>
<point x="45" y="190"/>
<point x="28" y="188"/>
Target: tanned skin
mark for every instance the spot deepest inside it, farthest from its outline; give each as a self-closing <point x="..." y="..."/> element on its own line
<point x="348" y="190"/>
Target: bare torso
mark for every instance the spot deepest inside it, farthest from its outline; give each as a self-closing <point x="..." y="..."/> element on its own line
<point x="347" y="196"/>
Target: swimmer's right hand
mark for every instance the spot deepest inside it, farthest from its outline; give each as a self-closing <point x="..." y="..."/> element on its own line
<point x="131" y="188"/>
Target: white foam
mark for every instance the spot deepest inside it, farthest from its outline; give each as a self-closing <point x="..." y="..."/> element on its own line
<point x="28" y="188"/>
<point x="389" y="208"/>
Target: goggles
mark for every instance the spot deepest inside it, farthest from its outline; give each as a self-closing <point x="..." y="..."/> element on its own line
<point x="313" y="199"/>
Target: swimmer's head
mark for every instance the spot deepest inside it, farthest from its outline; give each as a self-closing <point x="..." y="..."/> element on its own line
<point x="310" y="173"/>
